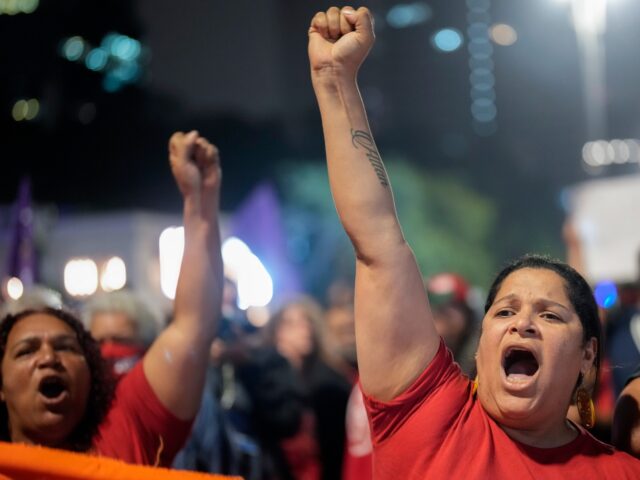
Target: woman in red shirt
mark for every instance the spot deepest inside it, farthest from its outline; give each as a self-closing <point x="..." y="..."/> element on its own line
<point x="54" y="389"/>
<point x="540" y="333"/>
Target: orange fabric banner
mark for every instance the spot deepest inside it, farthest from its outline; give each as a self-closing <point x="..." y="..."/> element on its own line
<point x="25" y="462"/>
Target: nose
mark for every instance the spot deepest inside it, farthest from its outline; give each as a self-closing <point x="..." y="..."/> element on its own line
<point x="48" y="357"/>
<point x="523" y="325"/>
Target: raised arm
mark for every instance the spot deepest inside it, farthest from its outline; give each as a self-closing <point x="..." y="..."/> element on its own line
<point x="176" y="363"/>
<point x="395" y="335"/>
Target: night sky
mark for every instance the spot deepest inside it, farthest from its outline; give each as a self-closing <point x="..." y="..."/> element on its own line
<point x="237" y="71"/>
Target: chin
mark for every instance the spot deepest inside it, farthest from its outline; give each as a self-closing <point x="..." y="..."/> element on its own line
<point x="508" y="409"/>
<point x="56" y="427"/>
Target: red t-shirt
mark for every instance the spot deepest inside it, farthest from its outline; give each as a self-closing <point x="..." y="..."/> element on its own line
<point x="138" y="428"/>
<point x="437" y="429"/>
<point x="301" y="450"/>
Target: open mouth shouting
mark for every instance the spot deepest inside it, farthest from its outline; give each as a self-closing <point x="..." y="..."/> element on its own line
<point x="53" y="391"/>
<point x="520" y="366"/>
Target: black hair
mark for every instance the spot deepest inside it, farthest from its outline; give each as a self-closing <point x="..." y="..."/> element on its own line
<point x="577" y="289"/>
<point x="102" y="381"/>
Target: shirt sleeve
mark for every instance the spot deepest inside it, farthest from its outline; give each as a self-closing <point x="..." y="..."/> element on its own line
<point x="138" y="428"/>
<point x="441" y="385"/>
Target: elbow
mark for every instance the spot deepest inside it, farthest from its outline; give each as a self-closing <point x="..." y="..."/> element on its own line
<point x="372" y="245"/>
<point x="381" y="251"/>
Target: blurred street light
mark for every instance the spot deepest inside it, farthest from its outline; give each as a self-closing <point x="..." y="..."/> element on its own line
<point x="589" y="20"/>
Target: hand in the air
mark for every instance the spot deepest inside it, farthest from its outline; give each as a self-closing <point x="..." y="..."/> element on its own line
<point x="339" y="40"/>
<point x="195" y="163"/>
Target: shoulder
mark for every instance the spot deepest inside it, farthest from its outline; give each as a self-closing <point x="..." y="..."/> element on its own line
<point x="605" y="453"/>
<point x="436" y="398"/>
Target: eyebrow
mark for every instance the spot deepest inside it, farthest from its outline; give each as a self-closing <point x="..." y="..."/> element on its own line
<point x="544" y="301"/>
<point x="37" y="338"/>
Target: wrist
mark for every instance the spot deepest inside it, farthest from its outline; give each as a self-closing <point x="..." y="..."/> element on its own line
<point x="332" y="77"/>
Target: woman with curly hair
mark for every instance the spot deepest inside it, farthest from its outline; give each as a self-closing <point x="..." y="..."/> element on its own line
<point x="55" y="389"/>
<point x="82" y="385"/>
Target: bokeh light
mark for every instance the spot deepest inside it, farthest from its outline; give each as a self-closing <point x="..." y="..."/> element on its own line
<point x="96" y="59"/>
<point x="14" y="7"/>
<point x="606" y="294"/>
<point x="406" y="15"/>
<point x="25" y="109"/>
<point x="73" y="48"/>
<point x="19" y="110"/>
<point x="481" y="79"/>
<point x="114" y="275"/>
<point x="171" y="245"/>
<point x="503" y="34"/>
<point x="15" y="289"/>
<point x="255" y="286"/>
<point x="33" y="108"/>
<point x="447" y="40"/>
<point x="602" y="153"/>
<point x="81" y="277"/>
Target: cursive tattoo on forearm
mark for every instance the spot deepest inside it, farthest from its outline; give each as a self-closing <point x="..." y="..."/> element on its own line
<point x="363" y="139"/>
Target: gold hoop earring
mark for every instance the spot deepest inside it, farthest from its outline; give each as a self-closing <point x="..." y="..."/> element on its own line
<point x="586" y="409"/>
<point x="474" y="386"/>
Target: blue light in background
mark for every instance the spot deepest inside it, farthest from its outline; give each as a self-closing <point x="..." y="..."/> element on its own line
<point x="480" y="49"/>
<point x="483" y="110"/>
<point x="119" y="58"/>
<point x="606" y="294"/>
<point x="125" y="48"/>
<point x="126" y="72"/>
<point x="406" y="15"/>
<point x="481" y="79"/>
<point x="96" y="59"/>
<point x="447" y="40"/>
<point x="111" y="83"/>
<point x="73" y="48"/>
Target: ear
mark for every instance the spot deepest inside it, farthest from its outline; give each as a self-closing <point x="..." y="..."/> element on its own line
<point x="589" y="357"/>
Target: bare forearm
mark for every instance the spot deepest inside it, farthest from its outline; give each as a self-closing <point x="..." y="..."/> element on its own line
<point x="358" y="178"/>
<point x="199" y="293"/>
<point x="176" y="363"/>
<point x="395" y="336"/>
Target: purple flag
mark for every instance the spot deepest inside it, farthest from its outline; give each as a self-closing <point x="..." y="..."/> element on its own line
<point x="258" y="223"/>
<point x="21" y="255"/>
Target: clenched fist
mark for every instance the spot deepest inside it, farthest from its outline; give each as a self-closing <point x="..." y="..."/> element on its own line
<point x="195" y="163"/>
<point x="339" y="41"/>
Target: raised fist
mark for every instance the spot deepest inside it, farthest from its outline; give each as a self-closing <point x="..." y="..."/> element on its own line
<point x="195" y="163"/>
<point x="339" y="40"/>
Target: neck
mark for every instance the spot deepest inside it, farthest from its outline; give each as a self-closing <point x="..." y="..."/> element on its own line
<point x="547" y="437"/>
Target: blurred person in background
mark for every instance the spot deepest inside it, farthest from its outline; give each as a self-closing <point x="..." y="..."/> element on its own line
<point x="454" y="319"/>
<point x="56" y="389"/>
<point x="124" y="326"/>
<point x="256" y="402"/>
<point x="297" y="332"/>
<point x="34" y="298"/>
<point x="626" y="420"/>
<point x="341" y="335"/>
<point x="622" y="332"/>
<point x="607" y="384"/>
<point x="341" y="338"/>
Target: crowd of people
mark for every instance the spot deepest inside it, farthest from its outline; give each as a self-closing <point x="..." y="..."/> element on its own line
<point x="394" y="377"/>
